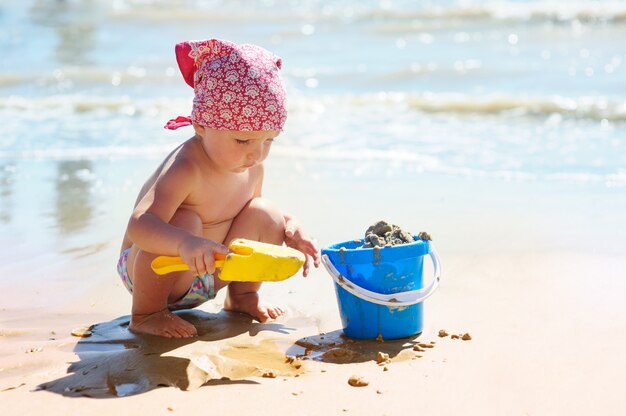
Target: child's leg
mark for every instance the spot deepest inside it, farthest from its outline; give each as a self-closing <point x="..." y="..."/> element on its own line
<point x="152" y="293"/>
<point x="259" y="221"/>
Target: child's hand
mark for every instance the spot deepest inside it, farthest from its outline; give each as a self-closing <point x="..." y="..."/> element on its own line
<point x="295" y="238"/>
<point x="199" y="254"/>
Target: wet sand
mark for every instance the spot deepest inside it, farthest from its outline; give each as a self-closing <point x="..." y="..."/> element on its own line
<point x="539" y="289"/>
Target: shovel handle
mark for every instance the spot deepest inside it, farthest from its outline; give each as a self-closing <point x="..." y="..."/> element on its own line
<point x="166" y="264"/>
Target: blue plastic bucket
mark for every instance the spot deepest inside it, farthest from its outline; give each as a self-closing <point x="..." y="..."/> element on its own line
<point x="380" y="290"/>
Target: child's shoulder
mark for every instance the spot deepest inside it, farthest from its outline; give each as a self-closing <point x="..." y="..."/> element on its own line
<point x="187" y="153"/>
<point x="182" y="161"/>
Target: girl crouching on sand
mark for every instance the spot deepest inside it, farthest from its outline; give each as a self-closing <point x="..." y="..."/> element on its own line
<point x="207" y="191"/>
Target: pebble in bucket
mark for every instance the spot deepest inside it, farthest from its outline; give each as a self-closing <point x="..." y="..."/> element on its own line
<point x="379" y="282"/>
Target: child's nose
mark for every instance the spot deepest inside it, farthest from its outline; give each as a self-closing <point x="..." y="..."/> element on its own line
<point x="255" y="154"/>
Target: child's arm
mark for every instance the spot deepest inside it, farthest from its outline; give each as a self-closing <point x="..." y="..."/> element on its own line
<point x="149" y="226"/>
<point x="294" y="236"/>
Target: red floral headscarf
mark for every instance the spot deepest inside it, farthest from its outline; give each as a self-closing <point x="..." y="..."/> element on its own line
<point x="237" y="87"/>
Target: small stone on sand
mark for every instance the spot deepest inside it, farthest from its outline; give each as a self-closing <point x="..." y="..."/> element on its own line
<point x="358" y="381"/>
<point x="295" y="362"/>
<point x="382" y="358"/>
<point x="466" y="337"/>
<point x="82" y="332"/>
<point x="269" y="374"/>
<point x="443" y="333"/>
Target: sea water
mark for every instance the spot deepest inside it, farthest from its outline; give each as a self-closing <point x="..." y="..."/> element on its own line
<point x="518" y="90"/>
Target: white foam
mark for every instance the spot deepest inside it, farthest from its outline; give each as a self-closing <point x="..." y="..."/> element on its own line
<point x="504" y="11"/>
<point x="591" y="107"/>
<point x="82" y="153"/>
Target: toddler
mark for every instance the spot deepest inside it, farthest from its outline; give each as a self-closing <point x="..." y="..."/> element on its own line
<point x="207" y="191"/>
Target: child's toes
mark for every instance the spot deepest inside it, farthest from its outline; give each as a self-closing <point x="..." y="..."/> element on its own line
<point x="275" y="312"/>
<point x="263" y="316"/>
<point x="169" y="333"/>
<point x="186" y="331"/>
<point x="191" y="332"/>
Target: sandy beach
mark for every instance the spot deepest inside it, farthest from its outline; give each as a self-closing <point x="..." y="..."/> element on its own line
<point x="541" y="298"/>
<point x="498" y="127"/>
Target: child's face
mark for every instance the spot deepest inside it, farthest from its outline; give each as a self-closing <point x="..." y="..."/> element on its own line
<point x="236" y="151"/>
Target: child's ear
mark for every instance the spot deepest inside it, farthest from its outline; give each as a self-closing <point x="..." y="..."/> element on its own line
<point x="199" y="129"/>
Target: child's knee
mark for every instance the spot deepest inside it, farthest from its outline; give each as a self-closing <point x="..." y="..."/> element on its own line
<point x="267" y="216"/>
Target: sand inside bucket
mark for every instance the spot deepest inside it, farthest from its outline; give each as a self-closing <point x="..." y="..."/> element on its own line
<point x="383" y="233"/>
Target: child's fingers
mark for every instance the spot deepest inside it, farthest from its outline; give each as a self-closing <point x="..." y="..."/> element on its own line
<point x="209" y="263"/>
<point x="289" y="227"/>
<point x="195" y="267"/>
<point x="292" y="229"/>
<point x="309" y="243"/>
<point x="305" y="268"/>
<point x="221" y="248"/>
<point x="292" y="232"/>
<point x="308" y="249"/>
<point x="316" y="260"/>
<point x="311" y="250"/>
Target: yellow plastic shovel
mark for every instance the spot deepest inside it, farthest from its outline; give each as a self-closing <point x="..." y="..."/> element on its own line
<point x="250" y="261"/>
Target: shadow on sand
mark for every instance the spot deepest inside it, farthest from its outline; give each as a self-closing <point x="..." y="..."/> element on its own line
<point x="334" y="347"/>
<point x="114" y="362"/>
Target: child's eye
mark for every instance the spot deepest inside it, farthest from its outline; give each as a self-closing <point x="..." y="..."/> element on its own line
<point x="242" y="141"/>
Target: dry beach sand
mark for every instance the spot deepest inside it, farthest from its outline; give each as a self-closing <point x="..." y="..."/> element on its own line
<point x="497" y="126"/>
<point x="534" y="275"/>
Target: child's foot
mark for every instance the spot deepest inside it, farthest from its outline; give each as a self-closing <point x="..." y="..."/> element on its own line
<point x="162" y="323"/>
<point x="251" y="304"/>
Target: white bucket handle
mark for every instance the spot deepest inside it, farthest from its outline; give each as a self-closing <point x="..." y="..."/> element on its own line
<point x="408" y="298"/>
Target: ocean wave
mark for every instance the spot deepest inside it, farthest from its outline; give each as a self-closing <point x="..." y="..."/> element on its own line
<point x="368" y="161"/>
<point x="90" y="75"/>
<point x="313" y="11"/>
<point x="81" y="104"/>
<point x="595" y="108"/>
<point x="510" y="11"/>
<point x="86" y="153"/>
<point x="361" y="162"/>
<point x="585" y="107"/>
